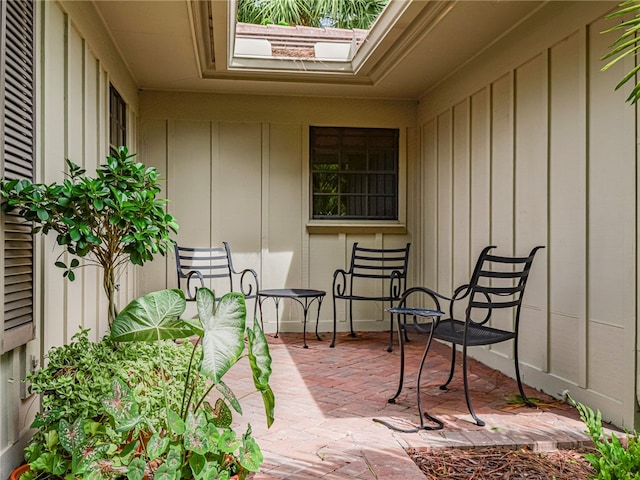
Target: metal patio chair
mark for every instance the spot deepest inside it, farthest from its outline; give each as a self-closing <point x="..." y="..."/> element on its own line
<point x="388" y="265"/>
<point x="497" y="283"/>
<point x="201" y="265"/>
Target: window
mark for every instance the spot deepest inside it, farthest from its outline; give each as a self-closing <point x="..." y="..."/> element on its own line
<point x="354" y="173"/>
<point x="17" y="149"/>
<point x="118" y="119"/>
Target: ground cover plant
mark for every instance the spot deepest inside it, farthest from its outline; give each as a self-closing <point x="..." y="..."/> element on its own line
<point x="139" y="405"/>
<point x="613" y="459"/>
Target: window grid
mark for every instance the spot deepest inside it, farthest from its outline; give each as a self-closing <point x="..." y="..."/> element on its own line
<point x="354" y="173"/>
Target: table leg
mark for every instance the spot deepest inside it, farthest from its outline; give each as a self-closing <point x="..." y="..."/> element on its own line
<point x="305" y="309"/>
<point x="439" y="425"/>
<point x="318" y="317"/>
<point x="276" y="300"/>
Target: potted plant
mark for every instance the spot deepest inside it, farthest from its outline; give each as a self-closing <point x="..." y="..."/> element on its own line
<point x="110" y="220"/>
<point x="152" y="414"/>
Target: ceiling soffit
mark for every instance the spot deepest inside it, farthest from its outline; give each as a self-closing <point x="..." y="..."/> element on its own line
<point x="395" y="33"/>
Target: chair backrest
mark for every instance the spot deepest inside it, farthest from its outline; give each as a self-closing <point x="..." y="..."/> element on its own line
<point x="200" y="264"/>
<point x="379" y="262"/>
<point x="497" y="282"/>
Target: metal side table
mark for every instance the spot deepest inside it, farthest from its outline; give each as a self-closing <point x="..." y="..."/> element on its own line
<point x="426" y="328"/>
<point x="305" y="297"/>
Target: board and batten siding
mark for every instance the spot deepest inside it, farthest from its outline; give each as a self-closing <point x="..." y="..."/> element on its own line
<point x="532" y="146"/>
<point x="76" y="62"/>
<point x="237" y="170"/>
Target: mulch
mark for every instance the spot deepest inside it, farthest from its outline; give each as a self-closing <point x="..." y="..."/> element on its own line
<point x="489" y="463"/>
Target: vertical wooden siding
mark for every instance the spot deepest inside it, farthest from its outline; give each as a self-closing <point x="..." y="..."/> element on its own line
<point x="544" y="154"/>
<point x="72" y="114"/>
<point x="237" y="171"/>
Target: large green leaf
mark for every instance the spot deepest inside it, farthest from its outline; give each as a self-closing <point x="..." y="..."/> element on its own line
<point x="152" y="317"/>
<point x="260" y="361"/>
<point x="223" y="341"/>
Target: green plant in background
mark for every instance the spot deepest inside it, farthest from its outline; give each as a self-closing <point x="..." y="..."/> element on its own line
<point x="613" y="460"/>
<point x="110" y="220"/>
<point x="627" y="43"/>
<point x="313" y="13"/>
<point x="152" y="419"/>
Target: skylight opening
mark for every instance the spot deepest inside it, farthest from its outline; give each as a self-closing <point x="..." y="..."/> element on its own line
<point x="307" y="31"/>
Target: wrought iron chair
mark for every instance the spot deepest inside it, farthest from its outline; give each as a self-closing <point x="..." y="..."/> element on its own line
<point x="199" y="264"/>
<point x="497" y="283"/>
<point x="385" y="264"/>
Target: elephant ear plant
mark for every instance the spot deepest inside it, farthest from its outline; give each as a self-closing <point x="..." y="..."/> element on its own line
<point x="196" y="441"/>
<point x="110" y="220"/>
<point x="172" y="424"/>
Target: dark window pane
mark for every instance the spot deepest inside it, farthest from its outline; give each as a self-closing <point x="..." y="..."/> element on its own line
<point x="117" y="119"/>
<point x="354" y="161"/>
<point x="326" y="205"/>
<point x="325" y="183"/>
<point x="363" y="182"/>
<point x="363" y="162"/>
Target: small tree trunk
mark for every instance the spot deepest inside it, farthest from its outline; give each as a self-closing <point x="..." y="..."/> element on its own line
<point x="109" y="285"/>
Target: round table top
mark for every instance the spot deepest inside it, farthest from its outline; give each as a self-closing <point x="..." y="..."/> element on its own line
<point x="291" y="293"/>
<point x="418" y="312"/>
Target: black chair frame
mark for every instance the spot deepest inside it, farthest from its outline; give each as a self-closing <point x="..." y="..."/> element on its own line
<point x="388" y="264"/>
<point x="488" y="290"/>
<point x="196" y="264"/>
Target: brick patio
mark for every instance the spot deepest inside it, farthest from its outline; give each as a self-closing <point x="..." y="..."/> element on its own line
<point x="326" y="400"/>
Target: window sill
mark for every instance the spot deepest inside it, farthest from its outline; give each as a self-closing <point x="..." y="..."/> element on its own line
<point x="355" y="227"/>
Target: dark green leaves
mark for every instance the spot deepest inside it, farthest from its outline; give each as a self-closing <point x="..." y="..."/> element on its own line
<point x="314" y="13"/>
<point x="111" y="219"/>
<point x="628" y="43"/>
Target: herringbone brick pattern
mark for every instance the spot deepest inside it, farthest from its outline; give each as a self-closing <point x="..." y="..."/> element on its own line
<point x="326" y="400"/>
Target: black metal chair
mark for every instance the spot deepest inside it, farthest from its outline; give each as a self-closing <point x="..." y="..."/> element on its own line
<point x="384" y="264"/>
<point x="210" y="264"/>
<point x="497" y="283"/>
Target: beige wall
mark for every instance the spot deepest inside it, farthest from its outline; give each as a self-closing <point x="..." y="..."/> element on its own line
<point x="237" y="171"/>
<point x="76" y="63"/>
<point x="530" y="145"/>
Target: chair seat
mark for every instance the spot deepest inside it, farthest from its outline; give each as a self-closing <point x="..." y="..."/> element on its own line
<point x="452" y="330"/>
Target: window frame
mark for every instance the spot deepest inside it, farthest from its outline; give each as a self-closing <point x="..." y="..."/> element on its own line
<point x="117" y="119"/>
<point x="352" y="225"/>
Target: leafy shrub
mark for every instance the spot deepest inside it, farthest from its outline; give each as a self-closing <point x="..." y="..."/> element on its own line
<point x="137" y="405"/>
<point x="77" y="378"/>
<point x="614" y="460"/>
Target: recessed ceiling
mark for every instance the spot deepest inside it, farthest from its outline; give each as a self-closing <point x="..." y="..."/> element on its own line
<point x="182" y="45"/>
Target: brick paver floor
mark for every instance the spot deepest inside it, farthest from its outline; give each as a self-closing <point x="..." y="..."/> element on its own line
<point x="327" y="398"/>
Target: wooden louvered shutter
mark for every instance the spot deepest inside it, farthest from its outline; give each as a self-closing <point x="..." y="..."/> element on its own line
<point x="18" y="157"/>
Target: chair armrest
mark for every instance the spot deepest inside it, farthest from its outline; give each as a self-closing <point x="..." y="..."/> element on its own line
<point x="248" y="282"/>
<point x="395" y="284"/>
<point x="339" y="287"/>
<point x="190" y="275"/>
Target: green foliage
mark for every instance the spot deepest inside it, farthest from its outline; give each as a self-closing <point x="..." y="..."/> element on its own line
<point x="614" y="461"/>
<point x="74" y="384"/>
<point x="110" y="220"/>
<point x="314" y="13"/>
<point x="627" y="43"/>
<point x="142" y="409"/>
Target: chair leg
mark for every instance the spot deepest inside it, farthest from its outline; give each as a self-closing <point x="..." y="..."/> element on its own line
<point x="453" y="366"/>
<point x="401" y="382"/>
<point x="390" y="347"/>
<point x="353" y="334"/>
<point x="333" y="341"/>
<point x="526" y="400"/>
<point x="479" y="422"/>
